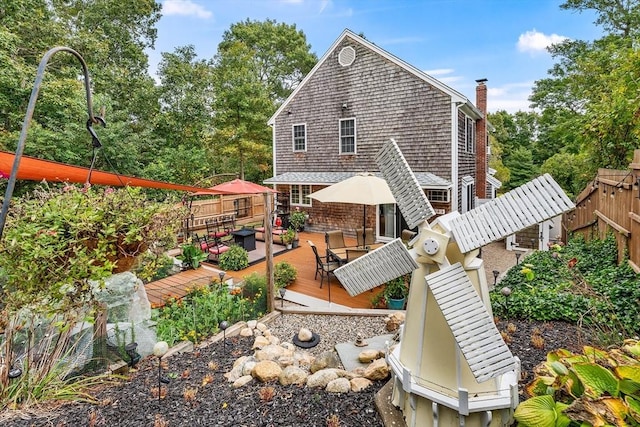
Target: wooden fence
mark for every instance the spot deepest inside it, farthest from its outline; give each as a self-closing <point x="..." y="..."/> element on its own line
<point x="611" y="203"/>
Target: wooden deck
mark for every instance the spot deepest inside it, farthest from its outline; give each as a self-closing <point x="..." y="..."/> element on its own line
<point x="301" y="258"/>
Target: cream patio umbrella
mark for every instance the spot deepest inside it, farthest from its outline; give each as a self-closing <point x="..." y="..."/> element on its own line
<point x="363" y="188"/>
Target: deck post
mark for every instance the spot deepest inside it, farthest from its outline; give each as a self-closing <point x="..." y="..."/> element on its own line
<point x="268" y="243"/>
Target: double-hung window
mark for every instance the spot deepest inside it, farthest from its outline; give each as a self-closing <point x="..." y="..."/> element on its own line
<point x="300" y="195"/>
<point x="348" y="136"/>
<point x="300" y="137"/>
<point x="470" y="135"/>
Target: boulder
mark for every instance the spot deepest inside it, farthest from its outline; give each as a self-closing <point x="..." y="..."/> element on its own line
<point x="327" y="359"/>
<point x="359" y="384"/>
<point x="293" y="375"/>
<point x="266" y="370"/>
<point x="369" y="355"/>
<point x="246" y="332"/>
<point x="321" y="378"/>
<point x="242" y="381"/>
<point x="269" y="352"/>
<point x="305" y="335"/>
<point x="393" y="321"/>
<point x="339" y="385"/>
<point x="377" y="370"/>
<point x="251" y="324"/>
<point x="260" y="342"/>
<point x="261" y="327"/>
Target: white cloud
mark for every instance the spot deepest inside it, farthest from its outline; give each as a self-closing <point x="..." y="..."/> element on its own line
<point x="439" y="71"/>
<point x="185" y="8"/>
<point x="511" y="97"/>
<point x="534" y="41"/>
<point x="324" y="4"/>
<point x="444" y="75"/>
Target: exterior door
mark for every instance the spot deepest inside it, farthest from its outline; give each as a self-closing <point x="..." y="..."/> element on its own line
<point x="386" y="222"/>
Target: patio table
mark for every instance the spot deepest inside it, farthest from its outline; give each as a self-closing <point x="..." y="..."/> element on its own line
<point x="340" y="254"/>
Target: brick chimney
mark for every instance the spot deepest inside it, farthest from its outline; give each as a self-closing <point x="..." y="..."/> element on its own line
<point x="482" y="163"/>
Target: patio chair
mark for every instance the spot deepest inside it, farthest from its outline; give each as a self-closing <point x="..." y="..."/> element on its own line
<point x="355" y="253"/>
<point x="215" y="228"/>
<point x="324" y="268"/>
<point x="369" y="237"/>
<point x="214" y="247"/>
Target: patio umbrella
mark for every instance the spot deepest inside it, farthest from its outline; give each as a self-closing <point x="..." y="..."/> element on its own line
<point x="238" y="186"/>
<point x="363" y="188"/>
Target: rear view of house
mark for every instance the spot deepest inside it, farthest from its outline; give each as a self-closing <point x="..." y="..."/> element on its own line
<point x="357" y="97"/>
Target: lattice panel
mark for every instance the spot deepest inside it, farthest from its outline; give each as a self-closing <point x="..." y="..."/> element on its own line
<point x="477" y="336"/>
<point x="413" y="203"/>
<point x="376" y="267"/>
<point x="534" y="202"/>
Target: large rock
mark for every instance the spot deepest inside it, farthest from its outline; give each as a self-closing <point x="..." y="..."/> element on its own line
<point x="339" y="385"/>
<point x="261" y="327"/>
<point x="260" y="342"/>
<point x="293" y="375"/>
<point x="394" y="321"/>
<point x="327" y="359"/>
<point x="266" y="370"/>
<point x="269" y="352"/>
<point x="251" y="324"/>
<point x="305" y="335"/>
<point x="321" y="378"/>
<point x="369" y="355"/>
<point x="246" y="332"/>
<point x="359" y="384"/>
<point x="377" y="370"/>
<point x="242" y="381"/>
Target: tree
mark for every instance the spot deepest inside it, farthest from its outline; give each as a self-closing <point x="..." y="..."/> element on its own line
<point x="521" y="167"/>
<point x="257" y="66"/>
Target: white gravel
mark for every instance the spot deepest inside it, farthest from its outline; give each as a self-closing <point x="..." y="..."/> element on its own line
<point x="331" y="329"/>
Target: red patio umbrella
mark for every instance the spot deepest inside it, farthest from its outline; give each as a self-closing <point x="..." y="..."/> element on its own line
<point x="237" y="186"/>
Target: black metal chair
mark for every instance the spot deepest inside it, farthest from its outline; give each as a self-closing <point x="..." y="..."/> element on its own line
<point x="324" y="268"/>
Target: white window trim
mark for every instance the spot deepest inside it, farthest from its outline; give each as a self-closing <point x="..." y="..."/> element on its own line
<point x="446" y="192"/>
<point x="469" y="147"/>
<point x="355" y="136"/>
<point x="299" y="202"/>
<point x="467" y="182"/>
<point x="293" y="137"/>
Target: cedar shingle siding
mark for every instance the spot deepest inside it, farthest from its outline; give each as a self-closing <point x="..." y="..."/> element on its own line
<point x="385" y="100"/>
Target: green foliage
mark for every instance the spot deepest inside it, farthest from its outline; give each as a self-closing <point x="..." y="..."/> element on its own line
<point x="594" y="388"/>
<point x="153" y="267"/>
<point x="288" y="236"/>
<point x="191" y="256"/>
<point x="284" y="274"/>
<point x="578" y="283"/>
<point x="254" y="288"/>
<point x="297" y="219"/>
<point x="396" y="288"/>
<point x="199" y="313"/>
<point x="57" y="240"/>
<point x="235" y="259"/>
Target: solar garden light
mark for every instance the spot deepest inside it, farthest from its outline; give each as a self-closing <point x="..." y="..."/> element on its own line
<point x="518" y="258"/>
<point x="159" y="350"/>
<point x="224" y="325"/>
<point x="282" y="292"/>
<point x="14" y="373"/>
<point x="134" y="356"/>
<point x="506" y="291"/>
<point x="496" y="273"/>
<point x="221" y="276"/>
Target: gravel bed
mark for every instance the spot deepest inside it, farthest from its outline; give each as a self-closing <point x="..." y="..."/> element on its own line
<point x="331" y="329"/>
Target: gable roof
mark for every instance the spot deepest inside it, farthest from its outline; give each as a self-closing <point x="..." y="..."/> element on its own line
<point x="455" y="95"/>
<point x="425" y="179"/>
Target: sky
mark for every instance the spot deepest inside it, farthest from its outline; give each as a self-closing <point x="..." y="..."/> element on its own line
<point x="454" y="41"/>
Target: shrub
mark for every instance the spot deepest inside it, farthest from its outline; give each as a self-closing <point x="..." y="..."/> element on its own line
<point x="236" y="258"/>
<point x="254" y="288"/>
<point x="284" y="274"/>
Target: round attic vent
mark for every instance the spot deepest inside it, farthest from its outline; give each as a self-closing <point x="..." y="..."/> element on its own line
<point x="346" y="56"/>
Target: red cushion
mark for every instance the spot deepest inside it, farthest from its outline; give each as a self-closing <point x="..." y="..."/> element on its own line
<point x="217" y="250"/>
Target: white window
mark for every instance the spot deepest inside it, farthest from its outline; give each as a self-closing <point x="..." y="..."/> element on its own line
<point x="347" y="136"/>
<point x="438" y="195"/>
<point x="468" y="193"/>
<point x="470" y="135"/>
<point x="300" y="137"/>
<point x="300" y="195"/>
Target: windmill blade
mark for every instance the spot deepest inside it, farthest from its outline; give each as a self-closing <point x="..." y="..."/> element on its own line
<point x="473" y="329"/>
<point x="529" y="204"/>
<point x="376" y="267"/>
<point x="413" y="203"/>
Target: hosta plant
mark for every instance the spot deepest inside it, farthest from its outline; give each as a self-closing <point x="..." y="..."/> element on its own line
<point x="595" y="388"/>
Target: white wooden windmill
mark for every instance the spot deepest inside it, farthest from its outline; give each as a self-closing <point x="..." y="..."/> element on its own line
<point x="452" y="367"/>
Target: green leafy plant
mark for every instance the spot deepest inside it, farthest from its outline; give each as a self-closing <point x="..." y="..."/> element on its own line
<point x="297" y="219"/>
<point x="284" y="274"/>
<point x="288" y="236"/>
<point x="595" y="388"/>
<point x="396" y="288"/>
<point x="191" y="256"/>
<point x="235" y="259"/>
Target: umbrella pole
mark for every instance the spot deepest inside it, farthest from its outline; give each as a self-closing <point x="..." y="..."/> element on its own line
<point x="364" y="226"/>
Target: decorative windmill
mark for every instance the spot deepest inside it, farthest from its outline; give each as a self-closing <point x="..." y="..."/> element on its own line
<point x="452" y="367"/>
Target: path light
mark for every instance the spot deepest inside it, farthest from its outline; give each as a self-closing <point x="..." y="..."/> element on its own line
<point x="14" y="373"/>
<point x="506" y="291"/>
<point x="518" y="258"/>
<point x="282" y="292"/>
<point x="496" y="273"/>
<point x="159" y="350"/>
<point x="221" y="276"/>
<point x="224" y="325"/>
<point x="134" y="356"/>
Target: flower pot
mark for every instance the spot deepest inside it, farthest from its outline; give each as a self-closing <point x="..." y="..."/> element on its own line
<point x="395" y="304"/>
<point x="289" y="245"/>
<point x="295" y="243"/>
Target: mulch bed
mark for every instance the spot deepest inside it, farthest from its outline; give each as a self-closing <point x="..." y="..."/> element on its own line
<point x="198" y="394"/>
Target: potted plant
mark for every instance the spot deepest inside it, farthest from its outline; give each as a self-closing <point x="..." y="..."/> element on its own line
<point x="191" y="256"/>
<point x="395" y="292"/>
<point x="288" y="237"/>
<point x="297" y="219"/>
